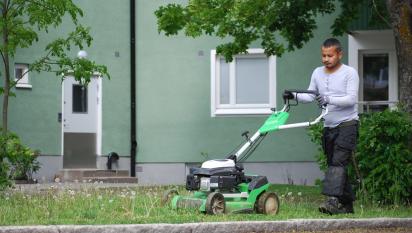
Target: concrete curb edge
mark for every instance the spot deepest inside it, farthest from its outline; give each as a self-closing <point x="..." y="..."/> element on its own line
<point x="217" y="227"/>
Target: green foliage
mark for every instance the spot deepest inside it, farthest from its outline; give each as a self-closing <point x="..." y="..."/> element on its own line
<point x="315" y="134"/>
<point x="383" y="156"/>
<point x="247" y="21"/>
<point x="20" y="23"/>
<point x="18" y="161"/>
<point x="23" y="19"/>
<point x="4" y="174"/>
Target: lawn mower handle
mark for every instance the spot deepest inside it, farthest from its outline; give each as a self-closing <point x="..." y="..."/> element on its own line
<point x="250" y="141"/>
<point x="297" y="91"/>
<point x="289" y="94"/>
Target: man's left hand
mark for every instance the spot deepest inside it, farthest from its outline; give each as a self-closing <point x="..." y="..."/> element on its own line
<point x="323" y="100"/>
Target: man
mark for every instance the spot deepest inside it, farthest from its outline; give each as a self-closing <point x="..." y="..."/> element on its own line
<point x="338" y="86"/>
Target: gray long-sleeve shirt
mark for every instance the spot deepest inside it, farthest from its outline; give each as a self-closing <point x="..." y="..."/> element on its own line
<point x="342" y="89"/>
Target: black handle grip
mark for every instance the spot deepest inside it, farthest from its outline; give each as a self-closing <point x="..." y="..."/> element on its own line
<point x="303" y="91"/>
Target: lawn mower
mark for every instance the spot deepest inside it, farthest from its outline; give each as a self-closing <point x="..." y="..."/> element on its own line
<point x="221" y="186"/>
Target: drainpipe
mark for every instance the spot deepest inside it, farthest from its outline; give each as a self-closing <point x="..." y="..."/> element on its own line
<point x="133" y="141"/>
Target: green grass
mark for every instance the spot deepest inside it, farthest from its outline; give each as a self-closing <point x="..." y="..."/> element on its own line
<point x="142" y="205"/>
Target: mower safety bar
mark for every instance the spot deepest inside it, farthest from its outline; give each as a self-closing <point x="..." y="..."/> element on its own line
<point x="255" y="136"/>
<point x="305" y="124"/>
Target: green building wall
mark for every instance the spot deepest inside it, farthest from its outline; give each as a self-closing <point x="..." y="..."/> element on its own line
<point x="174" y="122"/>
<point x="34" y="113"/>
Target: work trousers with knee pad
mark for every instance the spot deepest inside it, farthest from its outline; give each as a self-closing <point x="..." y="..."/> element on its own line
<point x="338" y="144"/>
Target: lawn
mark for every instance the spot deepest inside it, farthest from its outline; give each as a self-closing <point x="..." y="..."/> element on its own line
<point x="143" y="205"/>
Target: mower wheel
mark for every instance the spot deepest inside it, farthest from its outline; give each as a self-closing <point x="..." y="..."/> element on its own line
<point x="215" y="203"/>
<point x="168" y="196"/>
<point x="268" y="203"/>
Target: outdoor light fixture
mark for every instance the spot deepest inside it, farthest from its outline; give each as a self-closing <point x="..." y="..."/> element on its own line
<point x="82" y="54"/>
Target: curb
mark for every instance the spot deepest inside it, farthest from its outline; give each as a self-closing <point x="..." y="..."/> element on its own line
<point x="217" y="227"/>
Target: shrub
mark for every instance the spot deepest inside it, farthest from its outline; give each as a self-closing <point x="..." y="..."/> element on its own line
<point x="383" y="156"/>
<point x="315" y="133"/>
<point x="18" y="161"/>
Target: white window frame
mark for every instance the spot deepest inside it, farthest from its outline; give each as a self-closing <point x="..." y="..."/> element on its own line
<point x="392" y="79"/>
<point x="23" y="82"/>
<point x="232" y="108"/>
<point x="370" y="42"/>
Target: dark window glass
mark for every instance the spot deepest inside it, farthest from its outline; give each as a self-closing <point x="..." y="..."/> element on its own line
<point x="79" y="99"/>
<point x="375" y="77"/>
<point x="18" y="73"/>
<point x="375" y="80"/>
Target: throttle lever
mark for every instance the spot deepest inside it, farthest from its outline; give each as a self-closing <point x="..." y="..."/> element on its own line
<point x="246" y="135"/>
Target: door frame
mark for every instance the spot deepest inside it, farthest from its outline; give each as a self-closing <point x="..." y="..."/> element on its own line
<point x="98" y="115"/>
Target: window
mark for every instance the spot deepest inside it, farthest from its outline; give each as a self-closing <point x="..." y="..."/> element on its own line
<point x="377" y="80"/>
<point x="21" y="75"/>
<point x="373" y="54"/>
<point x="245" y="86"/>
<point x="79" y="99"/>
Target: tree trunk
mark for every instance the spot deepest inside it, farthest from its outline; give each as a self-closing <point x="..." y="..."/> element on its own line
<point x="6" y="69"/>
<point x="401" y="18"/>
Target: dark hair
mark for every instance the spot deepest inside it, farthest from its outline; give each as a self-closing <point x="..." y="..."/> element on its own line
<point x="332" y="42"/>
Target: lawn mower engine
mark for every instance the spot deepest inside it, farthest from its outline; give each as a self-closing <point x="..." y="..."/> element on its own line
<point x="215" y="175"/>
<point x="221" y="175"/>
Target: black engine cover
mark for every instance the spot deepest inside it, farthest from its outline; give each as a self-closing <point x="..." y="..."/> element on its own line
<point x="223" y="178"/>
<point x="192" y="182"/>
<point x="223" y="182"/>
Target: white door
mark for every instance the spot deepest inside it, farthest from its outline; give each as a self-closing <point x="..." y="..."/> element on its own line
<point x="80" y="123"/>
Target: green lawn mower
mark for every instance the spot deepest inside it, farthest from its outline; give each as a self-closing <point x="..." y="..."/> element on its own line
<point x="221" y="186"/>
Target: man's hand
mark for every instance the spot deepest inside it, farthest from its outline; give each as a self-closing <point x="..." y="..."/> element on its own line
<point x="323" y="100"/>
<point x="288" y="95"/>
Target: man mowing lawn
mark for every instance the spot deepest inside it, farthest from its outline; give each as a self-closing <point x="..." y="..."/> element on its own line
<point x="338" y="86"/>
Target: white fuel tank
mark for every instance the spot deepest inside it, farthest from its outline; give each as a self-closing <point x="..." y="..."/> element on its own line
<point x="216" y="163"/>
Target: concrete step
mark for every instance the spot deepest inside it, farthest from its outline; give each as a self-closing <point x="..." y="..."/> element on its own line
<point x="106" y="173"/>
<point x="91" y="174"/>
<point x="113" y="179"/>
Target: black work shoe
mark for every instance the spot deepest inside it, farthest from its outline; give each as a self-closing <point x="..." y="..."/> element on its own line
<point x="332" y="206"/>
<point x="347" y="208"/>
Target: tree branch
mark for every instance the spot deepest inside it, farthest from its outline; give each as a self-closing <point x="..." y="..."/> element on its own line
<point x="2" y="56"/>
<point x="40" y="4"/>
<point x="375" y="7"/>
<point x="14" y="8"/>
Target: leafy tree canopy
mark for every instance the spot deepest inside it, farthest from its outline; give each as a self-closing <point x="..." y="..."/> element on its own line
<point x="246" y="21"/>
<point x="23" y="20"/>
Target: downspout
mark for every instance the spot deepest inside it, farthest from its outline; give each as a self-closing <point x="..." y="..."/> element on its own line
<point x="133" y="141"/>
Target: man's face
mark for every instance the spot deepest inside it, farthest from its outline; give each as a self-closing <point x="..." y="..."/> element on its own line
<point x="331" y="57"/>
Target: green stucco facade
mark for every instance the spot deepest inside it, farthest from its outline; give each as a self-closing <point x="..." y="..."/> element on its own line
<point x="174" y="122"/>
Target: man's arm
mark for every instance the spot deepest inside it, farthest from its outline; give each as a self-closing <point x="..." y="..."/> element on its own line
<point x="307" y="98"/>
<point x="352" y="88"/>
